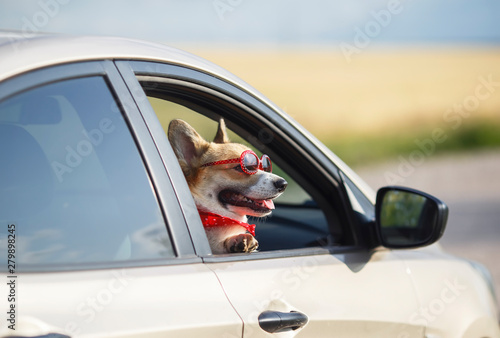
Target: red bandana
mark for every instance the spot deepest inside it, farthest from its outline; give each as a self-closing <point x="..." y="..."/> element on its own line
<point x="214" y="220"/>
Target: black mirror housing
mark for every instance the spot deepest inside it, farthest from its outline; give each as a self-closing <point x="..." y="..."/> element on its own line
<point x="408" y="218"/>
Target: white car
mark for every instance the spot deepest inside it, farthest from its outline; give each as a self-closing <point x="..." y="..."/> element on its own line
<point x="100" y="236"/>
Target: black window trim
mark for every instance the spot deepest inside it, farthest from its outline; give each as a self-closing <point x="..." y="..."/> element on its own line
<point x="165" y="193"/>
<point x="189" y="211"/>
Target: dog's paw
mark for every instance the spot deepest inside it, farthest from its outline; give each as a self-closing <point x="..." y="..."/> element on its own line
<point x="241" y="243"/>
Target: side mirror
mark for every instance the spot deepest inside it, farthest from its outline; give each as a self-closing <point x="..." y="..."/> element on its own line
<point x="408" y="218"/>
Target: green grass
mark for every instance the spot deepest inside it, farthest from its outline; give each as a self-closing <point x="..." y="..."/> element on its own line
<point x="362" y="149"/>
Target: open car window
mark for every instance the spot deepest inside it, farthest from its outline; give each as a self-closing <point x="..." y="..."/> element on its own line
<point x="303" y="218"/>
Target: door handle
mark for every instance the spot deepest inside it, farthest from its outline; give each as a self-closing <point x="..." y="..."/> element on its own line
<point x="274" y="321"/>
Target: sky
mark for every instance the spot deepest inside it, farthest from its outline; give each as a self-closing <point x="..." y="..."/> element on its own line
<point x="271" y="22"/>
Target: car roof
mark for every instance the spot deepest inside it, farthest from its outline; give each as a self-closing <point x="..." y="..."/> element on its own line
<point x="22" y="52"/>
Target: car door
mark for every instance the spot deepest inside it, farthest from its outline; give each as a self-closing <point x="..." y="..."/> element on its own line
<point x="314" y="275"/>
<point x="342" y="295"/>
<point x="91" y="231"/>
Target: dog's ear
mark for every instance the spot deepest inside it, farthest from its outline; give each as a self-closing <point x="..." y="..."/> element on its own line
<point x="188" y="145"/>
<point x="221" y="136"/>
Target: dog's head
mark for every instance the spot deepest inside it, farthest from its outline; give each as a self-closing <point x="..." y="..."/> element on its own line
<point x="222" y="188"/>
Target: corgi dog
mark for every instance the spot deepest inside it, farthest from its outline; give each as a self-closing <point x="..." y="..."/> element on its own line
<point x="228" y="183"/>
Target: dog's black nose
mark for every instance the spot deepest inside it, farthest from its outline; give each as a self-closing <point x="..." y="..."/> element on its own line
<point x="280" y="184"/>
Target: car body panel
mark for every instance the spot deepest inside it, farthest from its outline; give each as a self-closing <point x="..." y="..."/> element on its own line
<point x="449" y="288"/>
<point x="176" y="301"/>
<point x="344" y="295"/>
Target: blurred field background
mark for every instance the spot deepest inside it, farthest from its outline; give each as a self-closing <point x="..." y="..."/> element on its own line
<point x="374" y="108"/>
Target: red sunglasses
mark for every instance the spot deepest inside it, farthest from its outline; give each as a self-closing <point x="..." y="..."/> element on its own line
<point x="249" y="162"/>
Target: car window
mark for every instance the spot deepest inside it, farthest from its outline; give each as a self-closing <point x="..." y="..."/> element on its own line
<point x="297" y="221"/>
<point x="72" y="181"/>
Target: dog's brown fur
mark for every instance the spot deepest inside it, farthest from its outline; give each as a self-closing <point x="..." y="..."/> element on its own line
<point x="208" y="184"/>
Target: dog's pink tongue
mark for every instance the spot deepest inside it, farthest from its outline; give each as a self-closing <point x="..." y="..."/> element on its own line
<point x="269" y="204"/>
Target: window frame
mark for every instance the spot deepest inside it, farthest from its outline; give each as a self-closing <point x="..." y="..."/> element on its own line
<point x="163" y="189"/>
<point x="258" y="112"/>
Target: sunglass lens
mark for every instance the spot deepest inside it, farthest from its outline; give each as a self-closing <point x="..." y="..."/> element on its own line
<point x="251" y="162"/>
<point x="266" y="163"/>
